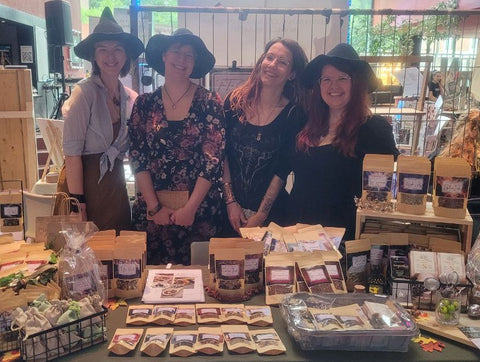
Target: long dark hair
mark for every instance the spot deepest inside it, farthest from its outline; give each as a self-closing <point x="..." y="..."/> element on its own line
<point x="356" y="113"/>
<point x="245" y="98"/>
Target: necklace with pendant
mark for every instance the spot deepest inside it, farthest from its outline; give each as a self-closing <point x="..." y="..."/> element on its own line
<point x="174" y="104"/>
<point x="270" y="113"/>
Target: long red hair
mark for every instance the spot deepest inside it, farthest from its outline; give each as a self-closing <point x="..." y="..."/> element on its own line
<point x="244" y="99"/>
<point x="356" y="113"/>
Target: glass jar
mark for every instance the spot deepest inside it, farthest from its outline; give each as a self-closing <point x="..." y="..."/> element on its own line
<point x="447" y="311"/>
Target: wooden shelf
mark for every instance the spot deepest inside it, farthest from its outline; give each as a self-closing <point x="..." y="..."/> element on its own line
<point x="466" y="224"/>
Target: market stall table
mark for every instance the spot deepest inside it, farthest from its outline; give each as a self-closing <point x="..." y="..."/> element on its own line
<point x="116" y="319"/>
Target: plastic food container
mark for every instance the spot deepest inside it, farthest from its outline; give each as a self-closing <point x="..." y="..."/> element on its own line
<point x="352" y="322"/>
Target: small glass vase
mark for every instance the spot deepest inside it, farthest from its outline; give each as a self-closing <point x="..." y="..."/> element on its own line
<point x="447" y="311"/>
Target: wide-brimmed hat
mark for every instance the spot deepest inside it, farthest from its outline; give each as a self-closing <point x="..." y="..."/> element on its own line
<point x="158" y="45"/>
<point x="108" y="29"/>
<point x="340" y="54"/>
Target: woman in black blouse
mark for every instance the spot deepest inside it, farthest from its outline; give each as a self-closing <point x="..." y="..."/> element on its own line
<point x="262" y="118"/>
<point x="327" y="160"/>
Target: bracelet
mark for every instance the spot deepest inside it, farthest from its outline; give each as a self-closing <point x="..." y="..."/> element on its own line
<point x="155" y="210"/>
<point x="80" y="197"/>
<point x="228" y="195"/>
<point x="230" y="202"/>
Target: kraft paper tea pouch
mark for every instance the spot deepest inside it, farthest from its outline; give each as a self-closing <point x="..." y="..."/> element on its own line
<point x="268" y="342"/>
<point x="315" y="274"/>
<point x="233" y="314"/>
<point x="125" y="340"/>
<point x="185" y="315"/>
<point x="451" y="183"/>
<point x="258" y="315"/>
<point x="335" y="273"/>
<point x="377" y="177"/>
<point x="214" y="245"/>
<point x="127" y="271"/>
<point x="209" y="340"/>
<point x="163" y="314"/>
<point x="183" y="343"/>
<point x="324" y="320"/>
<point x="209" y="313"/>
<point x="238" y="339"/>
<point x="253" y="268"/>
<point x="156" y="340"/>
<point x="279" y="277"/>
<point x="413" y="180"/>
<point x="357" y="252"/>
<point x="230" y="275"/>
<point x="139" y="314"/>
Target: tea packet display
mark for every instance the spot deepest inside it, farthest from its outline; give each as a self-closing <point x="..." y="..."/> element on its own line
<point x="183" y="343"/>
<point x="377" y="177"/>
<point x="139" y="314"/>
<point x="125" y="340"/>
<point x="357" y="252"/>
<point x="279" y="277"/>
<point x="413" y="179"/>
<point x="451" y="183"/>
<point x="164" y="314"/>
<point x="209" y="340"/>
<point x="268" y="342"/>
<point x="128" y="266"/>
<point x="185" y="315"/>
<point x="209" y="313"/>
<point x="334" y="270"/>
<point x="238" y="339"/>
<point x="233" y="314"/>
<point x="315" y="274"/>
<point x="230" y="275"/>
<point x="252" y="253"/>
<point x="258" y="315"/>
<point x="156" y="340"/>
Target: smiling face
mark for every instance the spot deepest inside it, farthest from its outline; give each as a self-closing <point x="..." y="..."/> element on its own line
<point x="110" y="57"/>
<point x="437" y="77"/>
<point x="276" y="67"/>
<point x="179" y="60"/>
<point x="335" y="87"/>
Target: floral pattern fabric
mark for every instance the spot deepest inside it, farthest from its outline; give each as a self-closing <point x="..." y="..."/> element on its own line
<point x="176" y="153"/>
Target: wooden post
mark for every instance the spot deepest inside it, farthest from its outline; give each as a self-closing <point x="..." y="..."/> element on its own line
<point x="18" y="150"/>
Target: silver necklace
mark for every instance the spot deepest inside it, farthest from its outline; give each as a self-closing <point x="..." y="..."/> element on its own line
<point x="174" y="104"/>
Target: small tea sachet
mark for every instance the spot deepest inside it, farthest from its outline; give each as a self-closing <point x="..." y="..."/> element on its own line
<point x="156" y="340"/>
<point x="125" y="340"/>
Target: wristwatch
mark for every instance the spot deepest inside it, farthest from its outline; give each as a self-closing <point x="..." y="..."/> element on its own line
<point x="156" y="209"/>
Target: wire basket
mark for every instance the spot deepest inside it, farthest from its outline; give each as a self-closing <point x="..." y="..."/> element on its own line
<point x="8" y="338"/>
<point x="65" y="339"/>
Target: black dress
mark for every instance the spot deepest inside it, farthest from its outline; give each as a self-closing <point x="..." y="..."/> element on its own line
<point x="434" y="88"/>
<point x="256" y="153"/>
<point x="326" y="181"/>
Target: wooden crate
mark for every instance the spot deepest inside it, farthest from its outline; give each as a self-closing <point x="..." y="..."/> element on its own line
<point x="464" y="225"/>
<point x="18" y="153"/>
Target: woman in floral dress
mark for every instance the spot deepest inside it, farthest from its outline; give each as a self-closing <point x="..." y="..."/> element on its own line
<point x="177" y="143"/>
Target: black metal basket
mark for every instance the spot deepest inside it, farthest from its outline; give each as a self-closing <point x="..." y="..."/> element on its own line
<point x="8" y="338"/>
<point x="65" y="339"/>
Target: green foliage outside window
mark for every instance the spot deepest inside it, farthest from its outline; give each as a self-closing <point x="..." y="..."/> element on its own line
<point x="397" y="35"/>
